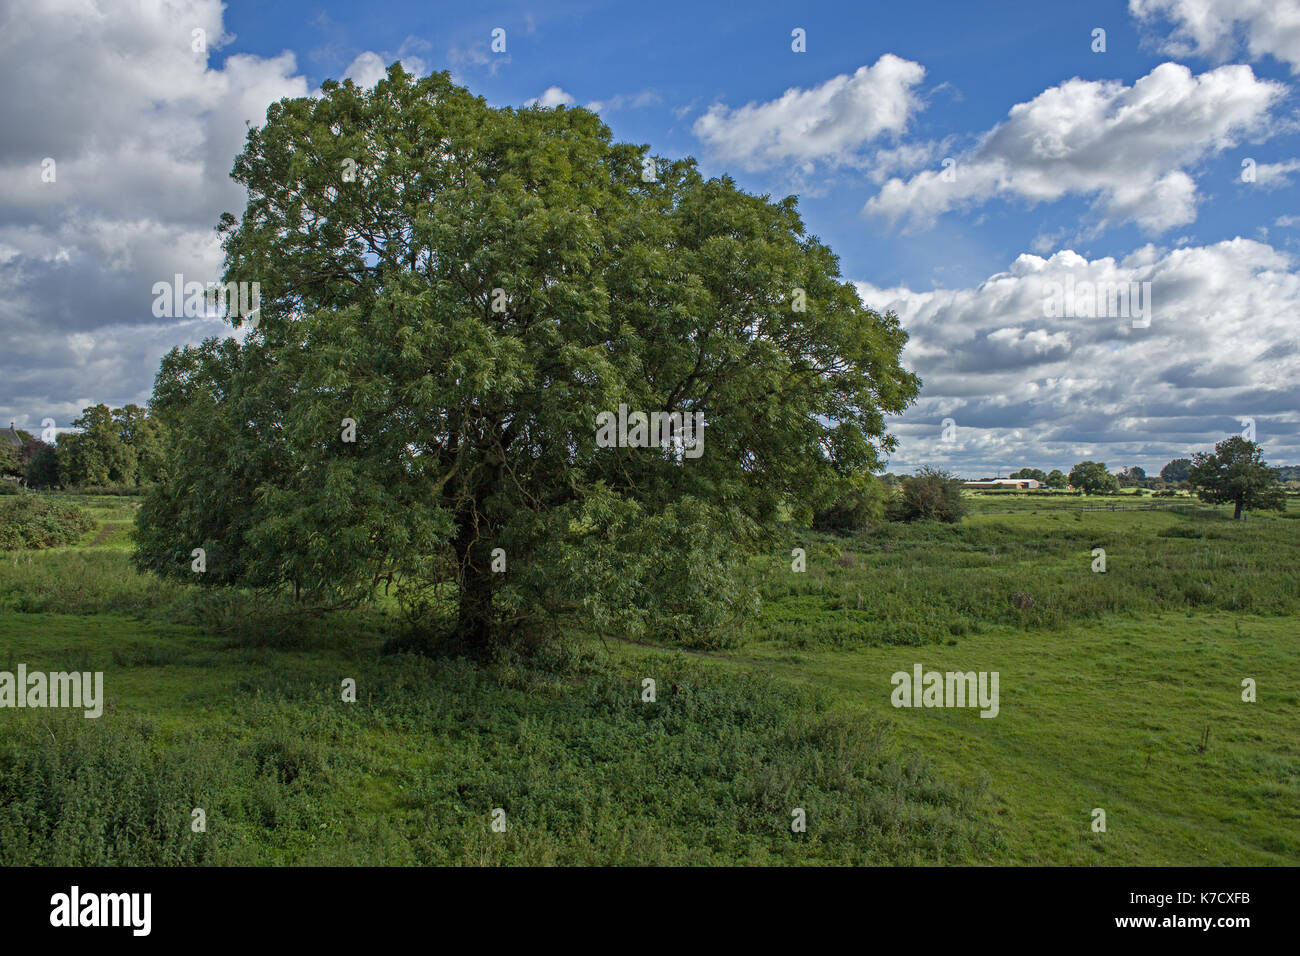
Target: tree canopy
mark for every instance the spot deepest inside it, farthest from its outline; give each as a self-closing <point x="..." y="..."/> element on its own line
<point x="113" y="446"/>
<point x="95" y="455"/>
<point x="1093" y="478"/>
<point x="1132" y="476"/>
<point x="451" y="296"/>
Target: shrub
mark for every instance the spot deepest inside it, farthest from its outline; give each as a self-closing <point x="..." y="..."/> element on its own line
<point x="930" y="495"/>
<point x="33" y="521"/>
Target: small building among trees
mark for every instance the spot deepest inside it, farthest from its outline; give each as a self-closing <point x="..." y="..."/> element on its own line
<point x="1004" y="483"/>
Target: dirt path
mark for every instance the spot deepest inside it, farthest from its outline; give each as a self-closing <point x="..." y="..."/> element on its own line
<point x="108" y="529"/>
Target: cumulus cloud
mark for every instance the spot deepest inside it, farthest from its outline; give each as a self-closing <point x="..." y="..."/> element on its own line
<point x="1219" y="28"/>
<point x="1128" y="147"/>
<point x="552" y="97"/>
<point x="141" y="133"/>
<point x="829" y="123"/>
<point x="1027" y="389"/>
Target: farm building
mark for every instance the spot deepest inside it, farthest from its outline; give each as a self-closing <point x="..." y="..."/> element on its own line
<point x="1005" y="483"/>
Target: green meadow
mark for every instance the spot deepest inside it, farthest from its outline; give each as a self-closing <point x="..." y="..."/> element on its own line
<point x="1119" y="691"/>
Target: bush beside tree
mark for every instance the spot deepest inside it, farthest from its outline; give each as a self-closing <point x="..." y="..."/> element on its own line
<point x="930" y="495"/>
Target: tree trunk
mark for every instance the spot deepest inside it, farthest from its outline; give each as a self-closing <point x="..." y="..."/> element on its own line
<point x="473" y="546"/>
<point x="1236" y="515"/>
<point x="474" y="623"/>
<point x="474" y="618"/>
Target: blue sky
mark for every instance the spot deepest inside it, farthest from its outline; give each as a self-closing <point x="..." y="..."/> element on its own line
<point x="1120" y="165"/>
<point x="980" y="59"/>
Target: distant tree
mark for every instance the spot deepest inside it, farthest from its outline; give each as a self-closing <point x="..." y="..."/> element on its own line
<point x="1235" y="472"/>
<point x="143" y="434"/>
<point x="1093" y="478"/>
<point x="1034" y="473"/>
<point x="1134" y="476"/>
<point x="1057" y="479"/>
<point x="42" y="469"/>
<point x="1176" y="470"/>
<point x="96" y="454"/>
<point x="930" y="495"/>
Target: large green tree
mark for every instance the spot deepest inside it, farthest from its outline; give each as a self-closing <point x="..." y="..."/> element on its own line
<point x="451" y="295"/>
<point x="1235" y="472"/>
<point x="1176" y="470"/>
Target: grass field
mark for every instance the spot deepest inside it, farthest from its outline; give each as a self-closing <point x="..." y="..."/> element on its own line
<point x="1120" y="691"/>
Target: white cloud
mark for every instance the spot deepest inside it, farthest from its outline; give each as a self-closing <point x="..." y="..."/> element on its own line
<point x="1128" y="147"/>
<point x="143" y="133"/>
<point x="369" y="68"/>
<point x="1027" y="389"/>
<point x="551" y="98"/>
<point x="1217" y="28"/>
<point x="828" y="123"/>
<point x="1276" y="175"/>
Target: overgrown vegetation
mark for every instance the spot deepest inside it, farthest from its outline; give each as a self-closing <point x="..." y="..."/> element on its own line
<point x="38" y="521"/>
<point x="931" y="582"/>
<point x="228" y="702"/>
<point x="587" y="771"/>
